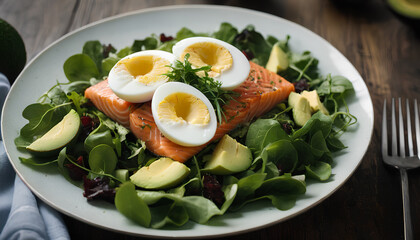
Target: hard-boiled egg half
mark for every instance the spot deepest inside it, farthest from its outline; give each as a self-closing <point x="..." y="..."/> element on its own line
<point x="136" y="77"/>
<point x="183" y="114"/>
<point x="228" y="64"/>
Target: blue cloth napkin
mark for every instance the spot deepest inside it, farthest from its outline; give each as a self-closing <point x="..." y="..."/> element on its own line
<point x="22" y="215"/>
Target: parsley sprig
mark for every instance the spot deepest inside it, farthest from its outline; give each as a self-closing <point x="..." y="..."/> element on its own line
<point x="198" y="78"/>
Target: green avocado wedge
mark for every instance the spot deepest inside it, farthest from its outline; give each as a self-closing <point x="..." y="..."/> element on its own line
<point x="228" y="157"/>
<point x="61" y="135"/>
<point x="406" y="8"/>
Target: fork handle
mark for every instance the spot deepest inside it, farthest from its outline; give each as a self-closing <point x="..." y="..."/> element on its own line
<point x="408" y="227"/>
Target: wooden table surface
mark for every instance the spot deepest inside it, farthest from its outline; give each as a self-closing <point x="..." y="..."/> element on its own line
<point x="383" y="48"/>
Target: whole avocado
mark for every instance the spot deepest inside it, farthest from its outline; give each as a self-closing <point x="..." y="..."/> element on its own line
<point x="12" y="51"/>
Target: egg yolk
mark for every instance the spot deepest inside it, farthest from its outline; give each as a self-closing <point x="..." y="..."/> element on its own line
<point x="147" y="69"/>
<point x="209" y="54"/>
<point x="183" y="108"/>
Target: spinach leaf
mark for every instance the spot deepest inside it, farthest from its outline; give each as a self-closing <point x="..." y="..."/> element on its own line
<point x="252" y="41"/>
<point x="176" y="215"/>
<point x="320" y="171"/>
<point x="36" y="161"/>
<point x="318" y="144"/>
<point x="54" y="96"/>
<point x="283" y="154"/>
<point x="78" y="101"/>
<point x="94" y="50"/>
<point x="302" y="65"/>
<point x="98" y="137"/>
<point x="80" y="67"/>
<point x="271" y="170"/>
<point x="131" y="205"/>
<point x="334" y="144"/>
<point x="61" y="159"/>
<point x="305" y="155"/>
<point x="187" y="33"/>
<point x="334" y="85"/>
<point x="226" y="33"/>
<point x="146" y="44"/>
<point x="318" y="121"/>
<point x="282" y="191"/>
<point x="41" y="117"/>
<point x="248" y="185"/>
<point x="102" y="159"/>
<point x="167" y="46"/>
<point x="108" y="63"/>
<point x="262" y="132"/>
<point x="281" y="184"/>
<point x="198" y="208"/>
<point x="78" y="86"/>
<point x="124" y="52"/>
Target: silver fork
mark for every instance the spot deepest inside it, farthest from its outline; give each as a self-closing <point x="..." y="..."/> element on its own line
<point x="403" y="162"/>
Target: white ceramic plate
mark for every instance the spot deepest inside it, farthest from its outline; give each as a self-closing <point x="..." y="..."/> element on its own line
<point x="42" y="72"/>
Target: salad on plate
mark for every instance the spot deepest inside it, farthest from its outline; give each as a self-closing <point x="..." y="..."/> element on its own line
<point x="188" y="127"/>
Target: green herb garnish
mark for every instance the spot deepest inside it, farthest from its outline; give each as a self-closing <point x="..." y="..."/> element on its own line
<point x="198" y="78"/>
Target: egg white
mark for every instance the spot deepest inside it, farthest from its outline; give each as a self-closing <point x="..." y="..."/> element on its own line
<point x="125" y="85"/>
<point x="184" y="134"/>
<point x="230" y="78"/>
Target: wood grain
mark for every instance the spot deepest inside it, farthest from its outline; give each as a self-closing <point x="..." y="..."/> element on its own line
<point x="382" y="48"/>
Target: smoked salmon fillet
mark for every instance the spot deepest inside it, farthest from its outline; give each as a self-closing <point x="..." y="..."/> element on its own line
<point x="106" y="101"/>
<point x="259" y="93"/>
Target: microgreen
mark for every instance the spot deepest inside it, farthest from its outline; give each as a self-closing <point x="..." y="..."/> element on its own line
<point x="186" y="73"/>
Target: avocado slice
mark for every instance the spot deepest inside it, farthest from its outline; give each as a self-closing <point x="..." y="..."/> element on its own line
<point x="300" y="108"/>
<point x="406" y="8"/>
<point x="161" y="174"/>
<point x="315" y="102"/>
<point x="228" y="157"/>
<point x="278" y="60"/>
<point x="13" y="52"/>
<point x="62" y="134"/>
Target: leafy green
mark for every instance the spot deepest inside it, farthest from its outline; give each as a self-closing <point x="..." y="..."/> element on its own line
<point x="226" y="33"/>
<point x="187" y="33"/>
<point x="94" y="50"/>
<point x="98" y="137"/>
<point x="198" y="208"/>
<point x="252" y="41"/>
<point x="320" y="171"/>
<point x="78" y="101"/>
<point x="102" y="159"/>
<point x="146" y="44"/>
<point x="301" y="66"/>
<point x="41" y="117"/>
<point x="36" y="161"/>
<point x="108" y="63"/>
<point x="262" y="132"/>
<point x="283" y="154"/>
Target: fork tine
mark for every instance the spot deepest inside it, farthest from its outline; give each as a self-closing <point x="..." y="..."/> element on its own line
<point x="417" y="124"/>
<point x="401" y="128"/>
<point x="384" y="132"/>
<point x="394" y="130"/>
<point x="409" y="133"/>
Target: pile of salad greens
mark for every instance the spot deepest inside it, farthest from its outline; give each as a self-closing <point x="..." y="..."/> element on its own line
<point x="105" y="152"/>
